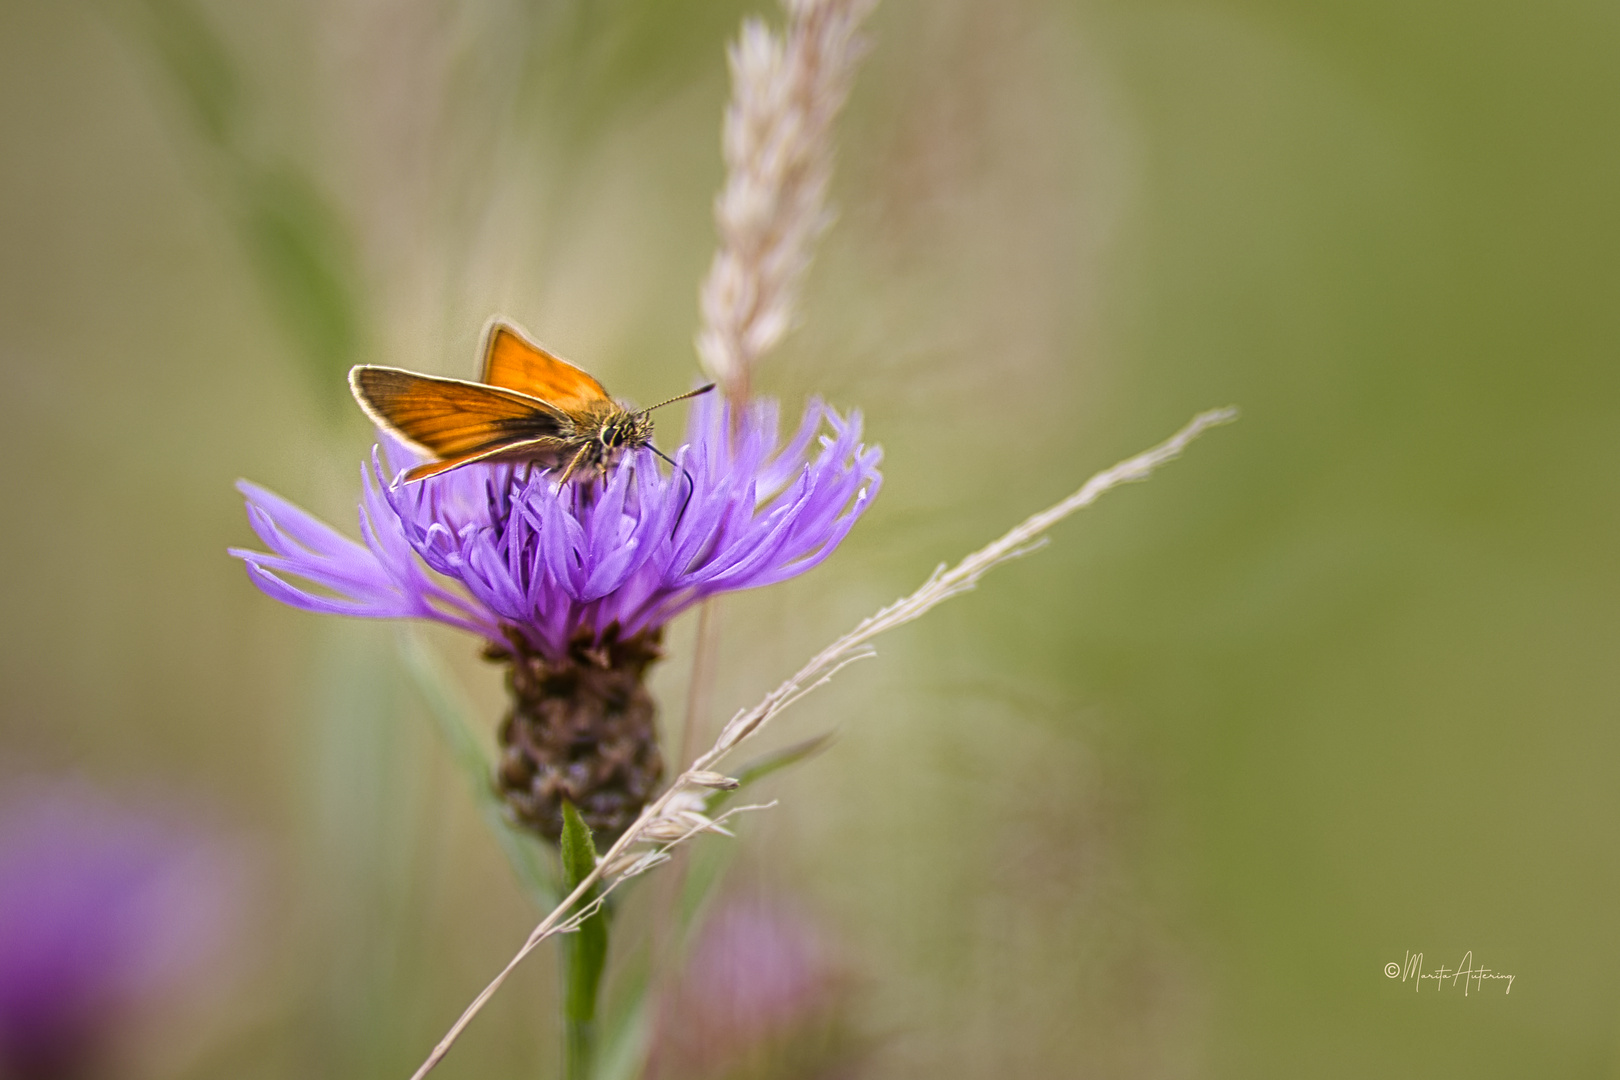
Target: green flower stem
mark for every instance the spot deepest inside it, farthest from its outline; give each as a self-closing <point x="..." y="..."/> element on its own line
<point x="583" y="953"/>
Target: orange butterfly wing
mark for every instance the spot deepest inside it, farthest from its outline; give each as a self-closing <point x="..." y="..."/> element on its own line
<point x="516" y="363"/>
<point x="549" y="451"/>
<point x="450" y="418"/>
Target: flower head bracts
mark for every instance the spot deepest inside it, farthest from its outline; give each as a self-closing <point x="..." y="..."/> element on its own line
<point x="553" y="564"/>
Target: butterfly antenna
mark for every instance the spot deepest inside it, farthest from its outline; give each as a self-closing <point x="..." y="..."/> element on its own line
<point x="673" y="400"/>
<point x="691" y="486"/>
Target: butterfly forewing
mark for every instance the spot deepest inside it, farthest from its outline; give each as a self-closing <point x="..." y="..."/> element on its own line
<point x="512" y="361"/>
<point x="454" y="419"/>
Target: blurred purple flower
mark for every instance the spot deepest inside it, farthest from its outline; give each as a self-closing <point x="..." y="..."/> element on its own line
<point x="760" y="996"/>
<point x="100" y="910"/>
<point x="509" y="553"/>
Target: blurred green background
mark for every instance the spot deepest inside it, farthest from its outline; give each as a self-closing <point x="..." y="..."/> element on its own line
<point x="1159" y="801"/>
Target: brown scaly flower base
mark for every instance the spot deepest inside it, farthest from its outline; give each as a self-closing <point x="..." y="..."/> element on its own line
<point x="580" y="730"/>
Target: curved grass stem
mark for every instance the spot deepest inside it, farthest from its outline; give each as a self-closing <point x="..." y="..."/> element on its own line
<point x="941" y="585"/>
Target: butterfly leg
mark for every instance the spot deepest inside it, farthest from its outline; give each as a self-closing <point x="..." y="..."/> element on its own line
<point x="579" y="459"/>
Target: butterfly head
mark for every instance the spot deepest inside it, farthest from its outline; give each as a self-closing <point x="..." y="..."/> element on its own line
<point x="624" y="430"/>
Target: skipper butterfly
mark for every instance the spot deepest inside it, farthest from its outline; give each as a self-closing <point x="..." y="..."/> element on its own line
<point x="528" y="405"/>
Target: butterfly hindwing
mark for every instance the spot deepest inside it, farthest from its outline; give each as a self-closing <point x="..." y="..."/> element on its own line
<point x="516" y="363"/>
<point x="547" y="451"/>
<point x="450" y="418"/>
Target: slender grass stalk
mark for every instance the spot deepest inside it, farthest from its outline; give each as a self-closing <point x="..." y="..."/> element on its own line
<point x="667" y="821"/>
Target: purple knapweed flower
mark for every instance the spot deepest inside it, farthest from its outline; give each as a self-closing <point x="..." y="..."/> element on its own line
<point x="572" y="585"/>
<point x="510" y="553"/>
<point x="101" y="910"/>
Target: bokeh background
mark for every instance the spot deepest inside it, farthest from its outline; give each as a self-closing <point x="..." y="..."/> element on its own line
<point x="1159" y="801"/>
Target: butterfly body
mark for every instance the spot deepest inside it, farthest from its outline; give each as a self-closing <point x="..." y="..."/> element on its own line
<point x="530" y="406"/>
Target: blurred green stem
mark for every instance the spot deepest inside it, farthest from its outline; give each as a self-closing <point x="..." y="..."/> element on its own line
<point x="452" y="716"/>
<point x="297" y="240"/>
<point x="583" y="953"/>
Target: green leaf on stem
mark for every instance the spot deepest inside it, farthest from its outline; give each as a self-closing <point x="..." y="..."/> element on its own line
<point x="578" y="849"/>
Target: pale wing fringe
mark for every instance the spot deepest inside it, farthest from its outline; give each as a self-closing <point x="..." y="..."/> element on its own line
<point x="941" y="585"/>
<point x="777" y="139"/>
